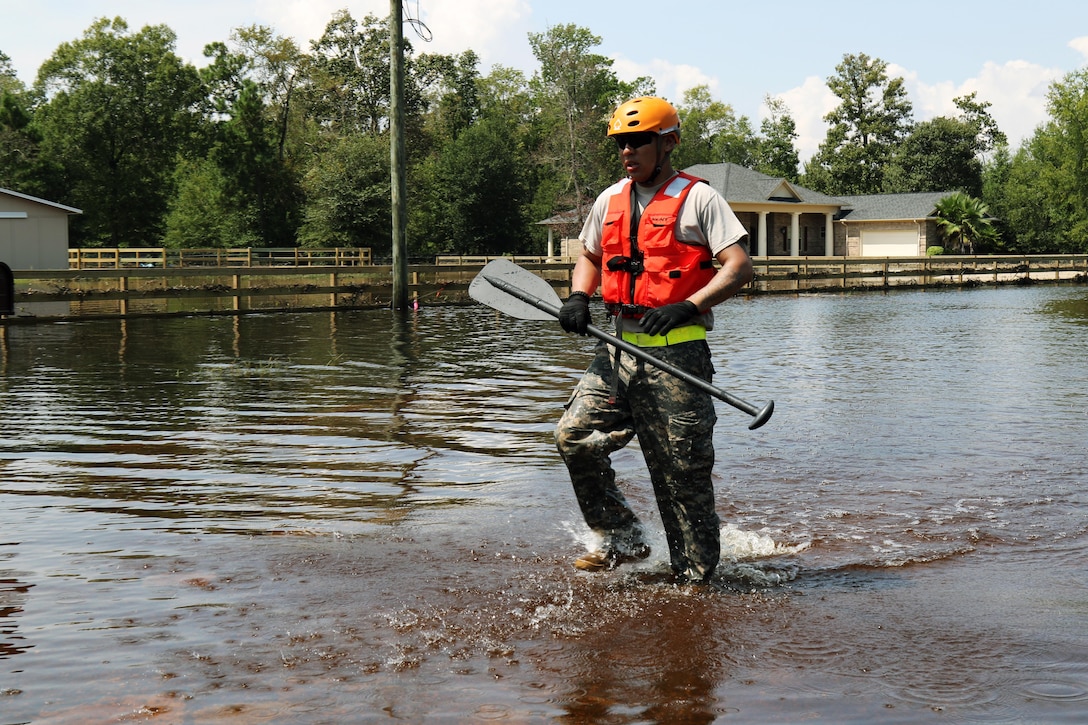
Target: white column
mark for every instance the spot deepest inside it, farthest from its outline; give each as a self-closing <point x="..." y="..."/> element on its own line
<point x="551" y="245"/>
<point x="795" y="234"/>
<point x="829" y="235"/>
<point x="761" y="235"/>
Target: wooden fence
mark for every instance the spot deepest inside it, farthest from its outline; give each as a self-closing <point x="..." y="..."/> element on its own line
<point x="801" y="274"/>
<point x="141" y="290"/>
<point x="158" y="257"/>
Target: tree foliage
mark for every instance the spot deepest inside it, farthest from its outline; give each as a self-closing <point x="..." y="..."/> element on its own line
<point x="18" y="142"/>
<point x="1045" y="190"/>
<point x="120" y="108"/>
<point x="711" y="133"/>
<point x="347" y="189"/>
<point x="575" y="91"/>
<point x="873" y="116"/>
<point x="776" y="152"/>
<point x="945" y="153"/>
<point x="478" y="193"/>
<point x="272" y="145"/>
<point x="963" y="221"/>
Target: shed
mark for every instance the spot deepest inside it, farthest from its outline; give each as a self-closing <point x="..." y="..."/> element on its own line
<point x="33" y="231"/>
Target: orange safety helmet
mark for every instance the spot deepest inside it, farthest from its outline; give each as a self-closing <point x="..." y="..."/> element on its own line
<point x="645" y="114"/>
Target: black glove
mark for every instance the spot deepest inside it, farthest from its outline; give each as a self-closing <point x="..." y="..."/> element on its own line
<point x="660" y="320"/>
<point x="574" y="314"/>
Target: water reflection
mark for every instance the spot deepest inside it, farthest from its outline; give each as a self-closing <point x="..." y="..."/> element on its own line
<point x="660" y="663"/>
<point x="13" y="595"/>
<point x="1072" y="309"/>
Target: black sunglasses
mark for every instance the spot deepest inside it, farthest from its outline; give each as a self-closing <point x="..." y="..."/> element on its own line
<point x="634" y="140"/>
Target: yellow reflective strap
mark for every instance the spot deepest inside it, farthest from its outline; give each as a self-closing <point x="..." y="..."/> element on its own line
<point x="687" y="333"/>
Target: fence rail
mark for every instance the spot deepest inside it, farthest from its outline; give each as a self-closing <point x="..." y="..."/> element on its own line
<point x="796" y="274"/>
<point x="161" y="258"/>
<point x="41" y="295"/>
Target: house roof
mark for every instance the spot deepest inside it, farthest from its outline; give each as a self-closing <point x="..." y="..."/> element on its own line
<point x="572" y="216"/>
<point x="36" y="200"/>
<point x="741" y="185"/>
<point x="899" y="207"/>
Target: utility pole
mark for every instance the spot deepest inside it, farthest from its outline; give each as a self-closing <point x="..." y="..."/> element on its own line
<point x="398" y="187"/>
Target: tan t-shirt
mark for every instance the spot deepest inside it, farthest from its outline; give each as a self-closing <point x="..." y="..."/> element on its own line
<point x="705" y="217"/>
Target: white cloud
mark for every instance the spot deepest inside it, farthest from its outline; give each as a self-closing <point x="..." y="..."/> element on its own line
<point x="808" y="104"/>
<point x="1080" y="45"/>
<point x="671" y="79"/>
<point x="1016" y="90"/>
<point x="495" y="29"/>
<point x="305" y="20"/>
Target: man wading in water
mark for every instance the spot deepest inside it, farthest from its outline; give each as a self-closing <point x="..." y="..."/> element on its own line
<point x="650" y="243"/>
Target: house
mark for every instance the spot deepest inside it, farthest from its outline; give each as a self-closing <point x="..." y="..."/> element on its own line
<point x="891" y="225"/>
<point x="33" y="231"/>
<point x="784" y="219"/>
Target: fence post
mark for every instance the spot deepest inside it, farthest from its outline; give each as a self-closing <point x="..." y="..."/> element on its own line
<point x="7" y="290"/>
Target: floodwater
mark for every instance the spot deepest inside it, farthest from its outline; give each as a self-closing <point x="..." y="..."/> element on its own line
<point x="360" y="517"/>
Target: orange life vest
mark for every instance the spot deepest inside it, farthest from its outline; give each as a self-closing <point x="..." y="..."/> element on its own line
<point x="657" y="269"/>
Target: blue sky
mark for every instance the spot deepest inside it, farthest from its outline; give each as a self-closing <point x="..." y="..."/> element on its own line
<point x="1009" y="52"/>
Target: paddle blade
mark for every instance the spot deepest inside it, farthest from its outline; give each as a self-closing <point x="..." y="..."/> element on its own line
<point x="508" y="273"/>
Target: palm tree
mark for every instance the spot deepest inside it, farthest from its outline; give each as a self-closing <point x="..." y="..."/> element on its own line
<point x="963" y="220"/>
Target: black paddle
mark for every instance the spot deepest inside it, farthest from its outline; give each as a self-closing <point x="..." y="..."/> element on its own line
<point x="508" y="288"/>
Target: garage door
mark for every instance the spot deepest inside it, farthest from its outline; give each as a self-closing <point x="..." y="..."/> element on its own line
<point x="899" y="243"/>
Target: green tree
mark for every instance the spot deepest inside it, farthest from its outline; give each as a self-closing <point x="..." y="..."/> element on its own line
<point x="963" y="221"/>
<point x="987" y="134"/>
<point x="995" y="179"/>
<point x="256" y="141"/>
<point x="348" y="202"/>
<point x="198" y="214"/>
<point x="277" y="66"/>
<point x="711" y="133"/>
<point x="347" y="90"/>
<point x="1064" y="144"/>
<point x="120" y="108"/>
<point x="1034" y="219"/>
<point x="478" y="194"/>
<point x="937" y="155"/>
<point x="505" y="95"/>
<point x="254" y="193"/>
<point x="576" y="91"/>
<point x="776" y="153"/>
<point x="1046" y="193"/>
<point x="871" y="119"/>
<point x="945" y="154"/>
<point x="450" y="87"/>
<point x="18" y="142"/>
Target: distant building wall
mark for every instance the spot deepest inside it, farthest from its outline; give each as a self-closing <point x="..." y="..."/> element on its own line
<point x="33" y="232"/>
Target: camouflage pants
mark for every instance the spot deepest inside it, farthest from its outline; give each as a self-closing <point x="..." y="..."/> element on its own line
<point x="674" y="422"/>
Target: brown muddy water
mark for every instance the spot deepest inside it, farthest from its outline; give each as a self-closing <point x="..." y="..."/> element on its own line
<point x="360" y="517"/>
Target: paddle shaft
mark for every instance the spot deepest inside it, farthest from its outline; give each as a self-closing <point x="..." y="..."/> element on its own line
<point x="761" y="414"/>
